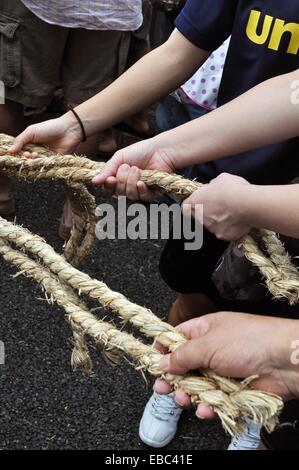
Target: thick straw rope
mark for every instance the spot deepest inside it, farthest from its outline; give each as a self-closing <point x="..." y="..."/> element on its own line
<point x="230" y="399"/>
<point x="281" y="276"/>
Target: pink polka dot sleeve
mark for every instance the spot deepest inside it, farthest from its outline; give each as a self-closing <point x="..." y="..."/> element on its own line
<point x="203" y="87"/>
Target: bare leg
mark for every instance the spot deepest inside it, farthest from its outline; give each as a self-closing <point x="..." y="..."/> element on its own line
<point x="5" y="189"/>
<point x="138" y="49"/>
<point x="66" y="220"/>
<point x="139" y="123"/>
<point x="188" y="306"/>
<point x="107" y="141"/>
<point x="12" y="123"/>
<point x="89" y="148"/>
<point x="262" y="447"/>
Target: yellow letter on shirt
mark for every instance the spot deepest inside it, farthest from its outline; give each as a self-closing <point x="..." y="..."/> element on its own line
<point x="252" y="27"/>
<point x="280" y="28"/>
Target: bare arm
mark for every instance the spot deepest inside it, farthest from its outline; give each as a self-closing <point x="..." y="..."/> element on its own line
<point x="273" y="207"/>
<point x="232" y="207"/>
<point x="262" y="116"/>
<point x="152" y="77"/>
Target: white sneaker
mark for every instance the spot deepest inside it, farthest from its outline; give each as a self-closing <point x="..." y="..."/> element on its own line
<point x="160" y="419"/>
<point x="249" y="440"/>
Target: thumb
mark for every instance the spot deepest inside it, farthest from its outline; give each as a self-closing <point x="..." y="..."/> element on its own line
<point x="110" y="169"/>
<point x="187" y="202"/>
<point x="192" y="206"/>
<point x="190" y="356"/>
<point x="21" y="140"/>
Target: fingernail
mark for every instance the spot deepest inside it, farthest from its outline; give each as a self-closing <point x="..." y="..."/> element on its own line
<point x="141" y="187"/>
<point x="179" y="403"/>
<point x="165" y="363"/>
<point x="199" y="415"/>
<point x="125" y="167"/>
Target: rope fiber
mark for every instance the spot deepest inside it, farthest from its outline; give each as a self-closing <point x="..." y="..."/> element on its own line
<point x="61" y="279"/>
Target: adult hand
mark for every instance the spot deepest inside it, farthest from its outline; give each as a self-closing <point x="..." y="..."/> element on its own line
<point x="224" y="206"/>
<point x="61" y="135"/>
<point x="236" y="345"/>
<point x="121" y="175"/>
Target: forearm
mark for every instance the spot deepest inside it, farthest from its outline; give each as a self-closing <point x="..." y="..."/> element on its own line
<point x="264" y="115"/>
<point x="272" y="207"/>
<point x="154" y="76"/>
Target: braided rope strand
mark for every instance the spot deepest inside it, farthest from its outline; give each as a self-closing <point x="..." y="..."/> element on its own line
<point x="230" y="405"/>
<point x="229" y="398"/>
<point x="281" y="276"/>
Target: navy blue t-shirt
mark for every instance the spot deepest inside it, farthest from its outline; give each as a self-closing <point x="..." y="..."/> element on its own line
<point x="264" y="44"/>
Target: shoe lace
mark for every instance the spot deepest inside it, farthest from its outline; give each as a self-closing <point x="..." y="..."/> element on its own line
<point x="164" y="406"/>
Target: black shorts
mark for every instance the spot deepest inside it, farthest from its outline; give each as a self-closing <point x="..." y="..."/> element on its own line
<point x="286" y="436"/>
<point x="190" y="271"/>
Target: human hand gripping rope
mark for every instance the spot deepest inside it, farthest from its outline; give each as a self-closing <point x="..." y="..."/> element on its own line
<point x="58" y="276"/>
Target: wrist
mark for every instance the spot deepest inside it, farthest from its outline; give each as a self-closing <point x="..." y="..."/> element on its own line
<point x="174" y="147"/>
<point x="70" y="125"/>
<point x="249" y="202"/>
<point x="164" y="151"/>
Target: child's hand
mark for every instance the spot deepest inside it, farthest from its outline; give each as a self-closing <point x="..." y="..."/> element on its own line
<point x="224" y="206"/>
<point x="121" y="175"/>
<point x="61" y="135"/>
<point x="236" y="345"/>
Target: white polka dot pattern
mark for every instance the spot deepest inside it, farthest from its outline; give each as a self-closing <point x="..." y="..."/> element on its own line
<point x="203" y="87"/>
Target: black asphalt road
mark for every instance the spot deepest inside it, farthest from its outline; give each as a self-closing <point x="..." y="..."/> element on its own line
<point x="43" y="403"/>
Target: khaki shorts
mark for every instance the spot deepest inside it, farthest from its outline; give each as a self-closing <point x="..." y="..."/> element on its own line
<point x="36" y="58"/>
